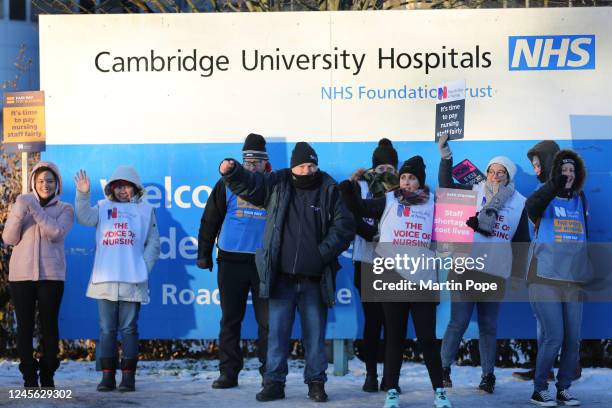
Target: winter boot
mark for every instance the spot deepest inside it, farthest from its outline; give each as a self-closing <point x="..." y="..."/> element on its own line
<point x="29" y="371"/>
<point x="446" y="378"/>
<point x="108" y="383"/>
<point x="128" y="375"/>
<point x="316" y="391"/>
<point x="487" y="384"/>
<point x="225" y="381"/>
<point x="371" y="383"/>
<point x="440" y="399"/>
<point x="272" y="390"/>
<point x="47" y="371"/>
<point x="392" y="400"/>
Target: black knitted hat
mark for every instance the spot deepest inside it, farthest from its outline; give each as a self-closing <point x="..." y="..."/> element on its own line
<point x="384" y="153"/>
<point x="303" y="153"/>
<point x="415" y="166"/>
<point x="254" y="147"/>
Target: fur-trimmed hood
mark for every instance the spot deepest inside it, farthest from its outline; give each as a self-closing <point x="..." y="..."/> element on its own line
<point x="546" y="151"/>
<point x="580" y="168"/>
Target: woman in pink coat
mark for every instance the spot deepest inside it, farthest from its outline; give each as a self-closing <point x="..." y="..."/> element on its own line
<point x="36" y="226"/>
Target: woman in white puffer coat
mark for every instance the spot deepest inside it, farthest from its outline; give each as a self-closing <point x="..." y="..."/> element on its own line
<point x="127" y="246"/>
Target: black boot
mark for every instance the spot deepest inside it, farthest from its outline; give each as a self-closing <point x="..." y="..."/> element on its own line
<point x="108" y="383"/>
<point x="128" y="375"/>
<point x="371" y="383"/>
<point x="225" y="381"/>
<point x="272" y="390"/>
<point x="29" y="371"/>
<point x="47" y="371"/>
<point x="487" y="384"/>
<point x="446" y="378"/>
<point x="316" y="391"/>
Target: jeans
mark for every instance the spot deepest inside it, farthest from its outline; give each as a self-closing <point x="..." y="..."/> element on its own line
<point x="461" y="312"/>
<point x="560" y="319"/>
<point x="285" y="297"/>
<point x="114" y="317"/>
<point x="235" y="280"/>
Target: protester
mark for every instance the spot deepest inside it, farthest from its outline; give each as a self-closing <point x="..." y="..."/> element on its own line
<point x="37" y="225"/>
<point x="500" y="220"/>
<point x="541" y="157"/>
<point x="307" y="228"/>
<point x="559" y="266"/>
<point x="238" y="228"/>
<point x="127" y="246"/>
<point x="373" y="183"/>
<point x="413" y="194"/>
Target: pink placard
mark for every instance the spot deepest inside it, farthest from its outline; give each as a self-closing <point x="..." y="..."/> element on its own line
<point x="452" y="209"/>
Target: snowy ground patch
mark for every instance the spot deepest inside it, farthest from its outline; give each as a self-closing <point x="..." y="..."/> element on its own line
<point x="187" y="383"/>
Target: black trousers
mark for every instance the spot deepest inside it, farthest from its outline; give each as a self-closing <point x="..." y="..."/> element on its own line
<point x="26" y="296"/>
<point x="424" y="320"/>
<point x="235" y="280"/>
<point x="373" y="323"/>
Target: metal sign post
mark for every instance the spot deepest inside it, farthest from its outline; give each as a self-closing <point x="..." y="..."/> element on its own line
<point x="24" y="172"/>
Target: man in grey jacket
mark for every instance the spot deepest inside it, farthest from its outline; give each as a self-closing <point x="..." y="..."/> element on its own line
<point x="307" y="228"/>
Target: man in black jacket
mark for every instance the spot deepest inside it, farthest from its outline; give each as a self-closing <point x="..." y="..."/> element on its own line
<point x="307" y="228"/>
<point x="238" y="227"/>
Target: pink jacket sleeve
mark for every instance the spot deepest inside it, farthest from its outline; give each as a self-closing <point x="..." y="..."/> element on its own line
<point x="51" y="228"/>
<point x="12" y="229"/>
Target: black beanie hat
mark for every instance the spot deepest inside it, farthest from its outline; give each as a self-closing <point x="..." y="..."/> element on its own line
<point x="384" y="154"/>
<point x="415" y="166"/>
<point x="254" y="147"/>
<point x="303" y="153"/>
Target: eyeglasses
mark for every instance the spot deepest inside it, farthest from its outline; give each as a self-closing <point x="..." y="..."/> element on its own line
<point x="500" y="173"/>
<point x="384" y="168"/>
<point x="251" y="164"/>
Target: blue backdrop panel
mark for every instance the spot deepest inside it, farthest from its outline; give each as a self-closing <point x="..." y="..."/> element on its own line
<point x="184" y="300"/>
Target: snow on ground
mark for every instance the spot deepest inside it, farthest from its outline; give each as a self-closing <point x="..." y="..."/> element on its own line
<point x="187" y="383"/>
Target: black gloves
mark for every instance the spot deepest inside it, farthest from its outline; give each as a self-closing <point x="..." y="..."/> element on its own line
<point x="349" y="196"/>
<point x="559" y="181"/>
<point x="205" y="263"/>
<point x="346" y="187"/>
<point x="473" y="223"/>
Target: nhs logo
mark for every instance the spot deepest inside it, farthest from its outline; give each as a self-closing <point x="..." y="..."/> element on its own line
<point x="560" y="212"/>
<point x="551" y="52"/>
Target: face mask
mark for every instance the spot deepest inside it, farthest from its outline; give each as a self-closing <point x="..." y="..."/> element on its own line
<point x="380" y="183"/>
<point x="308" y="182"/>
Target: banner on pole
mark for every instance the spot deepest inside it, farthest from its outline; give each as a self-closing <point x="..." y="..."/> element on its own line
<point x="24" y="121"/>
